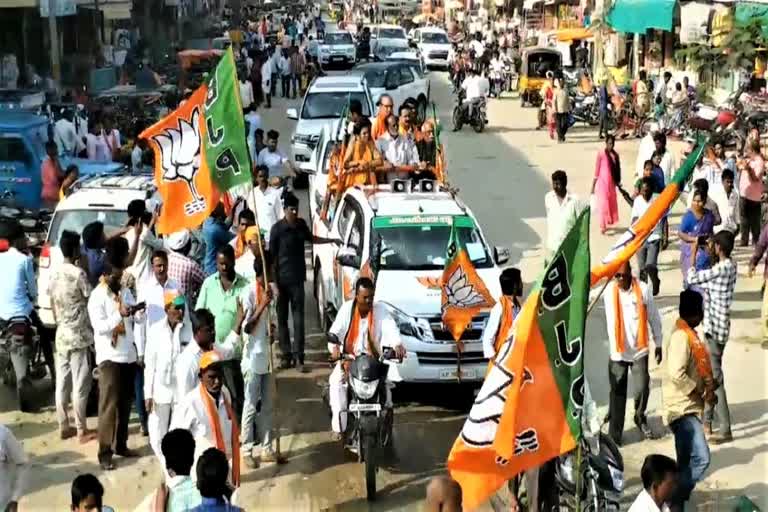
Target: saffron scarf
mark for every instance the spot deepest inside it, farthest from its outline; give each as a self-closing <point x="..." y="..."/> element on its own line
<point x="507" y="319"/>
<point x="213" y="418"/>
<point x="354" y="331"/>
<point x="642" y="329"/>
<point x="698" y="350"/>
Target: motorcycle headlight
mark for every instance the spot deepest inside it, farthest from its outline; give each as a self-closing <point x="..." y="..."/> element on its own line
<point x="410" y="326"/>
<point x="364" y="390"/>
<point x="617" y="476"/>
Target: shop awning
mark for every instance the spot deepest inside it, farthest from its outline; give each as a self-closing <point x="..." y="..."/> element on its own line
<point x="572" y="34"/>
<point x="528" y="4"/>
<point x="746" y="11"/>
<point x="638" y="16"/>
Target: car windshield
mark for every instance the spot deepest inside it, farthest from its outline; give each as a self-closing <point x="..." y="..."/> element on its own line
<point x="375" y="77"/>
<point x="328" y="105"/>
<point x="76" y="220"/>
<point x="338" y="38"/>
<point x="420" y="242"/>
<point x="392" y="33"/>
<point x="434" y="38"/>
<point x="385" y="50"/>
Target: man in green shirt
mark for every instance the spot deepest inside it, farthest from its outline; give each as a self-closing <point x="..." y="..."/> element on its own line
<point x="219" y="295"/>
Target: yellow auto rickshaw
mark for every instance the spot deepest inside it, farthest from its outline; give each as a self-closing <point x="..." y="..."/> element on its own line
<point x="536" y="61"/>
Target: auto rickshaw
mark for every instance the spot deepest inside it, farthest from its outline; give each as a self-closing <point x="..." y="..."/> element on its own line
<point x="533" y="69"/>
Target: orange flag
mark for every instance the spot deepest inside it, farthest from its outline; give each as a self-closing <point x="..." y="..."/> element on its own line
<point x="528" y="410"/>
<point x="181" y="172"/>
<point x="464" y="294"/>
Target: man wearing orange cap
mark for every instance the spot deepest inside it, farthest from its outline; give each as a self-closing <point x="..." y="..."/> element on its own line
<point x="208" y="414"/>
<point x="244" y="264"/>
<point x="160" y="360"/>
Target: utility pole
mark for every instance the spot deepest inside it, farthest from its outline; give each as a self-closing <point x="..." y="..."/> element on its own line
<point x="53" y="35"/>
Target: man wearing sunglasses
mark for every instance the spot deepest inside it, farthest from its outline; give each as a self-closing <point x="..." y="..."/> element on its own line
<point x="629" y="311"/>
<point x="286" y="248"/>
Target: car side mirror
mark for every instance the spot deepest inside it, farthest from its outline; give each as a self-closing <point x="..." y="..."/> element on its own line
<point x="292" y="113"/>
<point x="347" y="257"/>
<point x="500" y="255"/>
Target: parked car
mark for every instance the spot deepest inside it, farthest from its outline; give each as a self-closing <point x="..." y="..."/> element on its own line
<point x="387" y="47"/>
<point x="323" y="103"/>
<point x="434" y="46"/>
<point x="338" y="48"/>
<point x="384" y="34"/>
<point x="399" y="80"/>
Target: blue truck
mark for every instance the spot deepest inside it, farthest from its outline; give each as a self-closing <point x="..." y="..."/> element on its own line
<point x="22" y="149"/>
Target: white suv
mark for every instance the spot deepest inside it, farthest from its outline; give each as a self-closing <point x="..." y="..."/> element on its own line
<point x="99" y="198"/>
<point x="410" y="232"/>
<point x="323" y="103"/>
<point x="434" y="45"/>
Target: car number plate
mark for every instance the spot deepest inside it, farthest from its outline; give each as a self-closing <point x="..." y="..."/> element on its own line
<point x="337" y="59"/>
<point x="364" y="407"/>
<point x="451" y="374"/>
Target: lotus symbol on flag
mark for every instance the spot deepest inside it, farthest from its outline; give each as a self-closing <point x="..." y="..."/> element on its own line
<point x="460" y="292"/>
<point x="180" y="150"/>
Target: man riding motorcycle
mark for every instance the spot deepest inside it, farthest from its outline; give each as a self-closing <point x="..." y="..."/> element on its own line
<point x="17" y="299"/>
<point x="475" y="87"/>
<point x="352" y="327"/>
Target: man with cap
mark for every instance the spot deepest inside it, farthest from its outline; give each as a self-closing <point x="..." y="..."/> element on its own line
<point x="244" y="264"/>
<point x="504" y="312"/>
<point x="207" y="412"/>
<point x="286" y="249"/>
<point x="185" y="271"/>
<point x="160" y="359"/>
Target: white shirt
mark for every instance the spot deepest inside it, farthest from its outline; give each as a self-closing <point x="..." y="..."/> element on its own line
<point x="246" y="93"/>
<point x="192" y="416"/>
<point x="112" y="141"/>
<point x="141" y="269"/>
<point x="478" y="47"/>
<point x="66" y="138"/>
<point x="105" y="317"/>
<point x="273" y="160"/>
<point x="561" y="216"/>
<point x="266" y="75"/>
<point x="14" y="468"/>
<point x="153" y="293"/>
<point x="284" y="65"/>
<point x="631" y="317"/>
<point x="254" y="122"/>
<point x="668" y="164"/>
<point x="244" y="265"/>
<point x="385" y="331"/>
<point x="188" y="363"/>
<point x="645" y="152"/>
<point x="136" y="160"/>
<point x="728" y="206"/>
<point x="639" y="206"/>
<point x="267" y="206"/>
<point x="473" y="86"/>
<point x="644" y="503"/>
<point x="97" y="149"/>
<point x="160" y="363"/>
<point x="492" y="329"/>
<point x="400" y="151"/>
<point x="256" y="344"/>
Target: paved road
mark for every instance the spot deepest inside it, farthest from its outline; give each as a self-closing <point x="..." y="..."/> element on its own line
<point x="503" y="175"/>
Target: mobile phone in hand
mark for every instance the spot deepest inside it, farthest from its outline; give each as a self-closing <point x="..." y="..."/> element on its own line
<point x="140" y="306"/>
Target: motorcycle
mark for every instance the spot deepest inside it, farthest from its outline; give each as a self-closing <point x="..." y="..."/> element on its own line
<point x="472" y="112"/>
<point x="18" y="343"/>
<point x="369" y="417"/>
<point x="601" y="475"/>
<point x="586" y="109"/>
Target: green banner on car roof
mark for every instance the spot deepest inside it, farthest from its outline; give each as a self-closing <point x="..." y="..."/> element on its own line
<point x="398" y="221"/>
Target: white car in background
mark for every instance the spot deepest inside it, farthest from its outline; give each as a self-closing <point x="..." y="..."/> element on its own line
<point x="398" y="79"/>
<point x="337" y="48"/>
<point x="323" y="103"/>
<point x="384" y="34"/>
<point x="434" y="45"/>
<point x="98" y="198"/>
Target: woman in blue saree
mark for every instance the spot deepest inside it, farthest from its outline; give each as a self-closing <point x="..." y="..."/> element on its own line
<point x="696" y="227"/>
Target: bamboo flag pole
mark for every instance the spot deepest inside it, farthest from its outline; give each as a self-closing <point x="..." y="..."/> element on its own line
<point x="272" y="378"/>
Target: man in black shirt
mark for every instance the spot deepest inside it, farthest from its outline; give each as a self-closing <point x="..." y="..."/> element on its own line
<point x="286" y="246"/>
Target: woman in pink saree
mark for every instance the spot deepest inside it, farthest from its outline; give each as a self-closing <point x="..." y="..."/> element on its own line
<point x="607" y="178"/>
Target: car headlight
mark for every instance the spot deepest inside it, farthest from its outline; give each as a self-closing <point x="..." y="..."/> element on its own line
<point x="409" y="326"/>
<point x="306" y="139"/>
<point x="325" y="50"/>
<point x="617" y="476"/>
<point x="363" y="390"/>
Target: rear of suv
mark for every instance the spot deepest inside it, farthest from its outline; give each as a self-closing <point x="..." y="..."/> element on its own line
<point x="99" y="198"/>
<point x="324" y="102"/>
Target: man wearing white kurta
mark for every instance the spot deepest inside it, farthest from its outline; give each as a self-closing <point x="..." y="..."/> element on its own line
<point x="351" y="327"/>
<point x="162" y="353"/>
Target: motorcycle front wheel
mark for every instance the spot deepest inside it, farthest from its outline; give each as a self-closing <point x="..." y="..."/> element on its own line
<point x="457" y="120"/>
<point x="479" y="125"/>
<point x="371" y="452"/>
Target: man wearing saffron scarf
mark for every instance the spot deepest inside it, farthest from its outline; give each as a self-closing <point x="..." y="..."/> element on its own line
<point x="504" y="312"/>
<point x="380" y="123"/>
<point x="629" y="310"/>
<point x="208" y="414"/>
<point x="363" y="327"/>
<point x="686" y="385"/>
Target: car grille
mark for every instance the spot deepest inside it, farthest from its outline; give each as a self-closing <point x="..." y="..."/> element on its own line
<point x="450" y="358"/>
<point x="438" y="55"/>
<point x="472" y="333"/>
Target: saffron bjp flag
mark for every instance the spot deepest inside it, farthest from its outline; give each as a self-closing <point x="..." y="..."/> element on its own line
<point x="528" y="410"/>
<point x="632" y="239"/>
<point x="463" y="292"/>
<point x="200" y="151"/>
